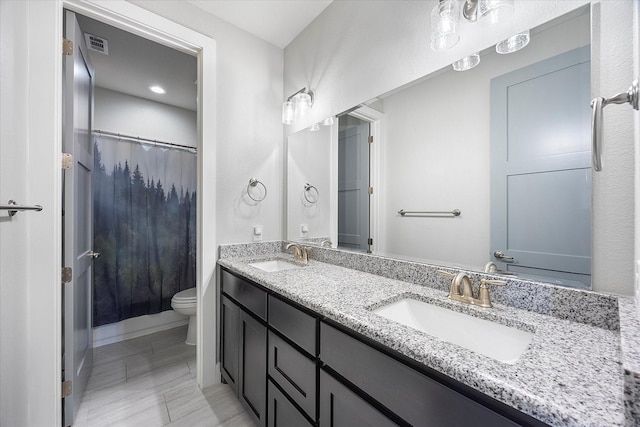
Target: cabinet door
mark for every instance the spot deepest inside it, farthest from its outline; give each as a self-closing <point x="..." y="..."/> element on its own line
<point x="282" y="413"/>
<point x="253" y="367"/>
<point x="229" y="313"/>
<point x="340" y="407"/>
<point x="294" y="373"/>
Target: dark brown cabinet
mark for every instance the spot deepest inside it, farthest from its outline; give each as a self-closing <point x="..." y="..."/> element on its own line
<point x="229" y="352"/>
<point x="282" y="413"/>
<point x="339" y="406"/>
<point x="243" y="355"/>
<point x="290" y="367"/>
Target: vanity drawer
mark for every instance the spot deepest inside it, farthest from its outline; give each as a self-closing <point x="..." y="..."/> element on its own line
<point x="282" y="413"/>
<point x="248" y="295"/>
<point x="408" y="393"/>
<point x="294" y="373"/>
<point x="294" y="324"/>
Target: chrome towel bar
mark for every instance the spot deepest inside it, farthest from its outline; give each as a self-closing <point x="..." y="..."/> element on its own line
<point x="455" y="212"/>
<point x="14" y="208"/>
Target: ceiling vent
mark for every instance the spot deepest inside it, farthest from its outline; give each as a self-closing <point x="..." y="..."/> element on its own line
<point x="97" y="44"/>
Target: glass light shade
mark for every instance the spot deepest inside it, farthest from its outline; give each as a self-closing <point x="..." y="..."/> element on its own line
<point x="314" y="127"/>
<point x="288" y="112"/>
<point x="491" y="12"/>
<point x="467" y="63"/>
<point x="513" y="43"/>
<point x="444" y="24"/>
<point x="302" y="102"/>
<point x="327" y="122"/>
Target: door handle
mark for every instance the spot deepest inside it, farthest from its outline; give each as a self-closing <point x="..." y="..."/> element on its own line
<point x="501" y="256"/>
<point x="631" y="96"/>
<point x="94" y="255"/>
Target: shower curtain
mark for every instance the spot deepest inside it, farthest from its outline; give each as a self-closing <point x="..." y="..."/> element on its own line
<point x="144" y="227"/>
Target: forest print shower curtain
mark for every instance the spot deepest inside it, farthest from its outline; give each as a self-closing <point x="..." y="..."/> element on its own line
<point x="144" y="228"/>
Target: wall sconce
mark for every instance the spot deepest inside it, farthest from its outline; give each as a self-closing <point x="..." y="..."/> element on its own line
<point x="297" y="106"/>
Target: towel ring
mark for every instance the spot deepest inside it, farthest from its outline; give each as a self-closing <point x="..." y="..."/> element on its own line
<point x="253" y="182"/>
<point x="309" y="191"/>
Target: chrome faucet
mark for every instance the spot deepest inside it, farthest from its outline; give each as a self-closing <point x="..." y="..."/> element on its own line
<point x="462" y="291"/>
<point x="300" y="252"/>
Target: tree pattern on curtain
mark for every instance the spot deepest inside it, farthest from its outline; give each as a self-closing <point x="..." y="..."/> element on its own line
<point x="146" y="235"/>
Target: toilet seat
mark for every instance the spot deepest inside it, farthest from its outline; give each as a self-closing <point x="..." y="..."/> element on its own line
<point x="186" y="297"/>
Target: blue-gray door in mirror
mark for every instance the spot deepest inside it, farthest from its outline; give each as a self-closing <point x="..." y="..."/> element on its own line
<point x="541" y="170"/>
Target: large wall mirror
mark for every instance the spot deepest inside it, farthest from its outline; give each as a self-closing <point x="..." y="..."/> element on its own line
<point x="489" y="164"/>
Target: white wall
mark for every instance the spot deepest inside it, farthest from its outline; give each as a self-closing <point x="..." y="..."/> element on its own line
<point x="30" y="254"/>
<point x="355" y="51"/>
<point x="308" y="161"/>
<point x="437" y="153"/>
<point x="636" y="73"/>
<point x="250" y="130"/>
<point x="133" y="116"/>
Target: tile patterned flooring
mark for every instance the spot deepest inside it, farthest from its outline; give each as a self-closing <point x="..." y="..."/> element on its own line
<point x="151" y="381"/>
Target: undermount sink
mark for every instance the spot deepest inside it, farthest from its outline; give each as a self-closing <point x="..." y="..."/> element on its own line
<point x="274" y="265"/>
<point x="503" y="343"/>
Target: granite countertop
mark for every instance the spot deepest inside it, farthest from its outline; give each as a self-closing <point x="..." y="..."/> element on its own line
<point x="570" y="375"/>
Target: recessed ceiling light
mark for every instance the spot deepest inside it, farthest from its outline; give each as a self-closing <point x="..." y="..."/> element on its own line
<point x="157" y="89"/>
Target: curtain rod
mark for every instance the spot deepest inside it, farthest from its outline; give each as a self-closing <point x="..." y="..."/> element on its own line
<point x="144" y="140"/>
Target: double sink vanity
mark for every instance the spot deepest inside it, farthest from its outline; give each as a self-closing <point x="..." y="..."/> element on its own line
<point x="347" y="339"/>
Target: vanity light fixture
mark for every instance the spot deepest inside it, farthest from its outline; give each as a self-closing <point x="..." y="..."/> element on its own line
<point x="327" y="122"/>
<point x="445" y="16"/>
<point x="487" y="12"/>
<point x="444" y="23"/>
<point x="297" y="106"/>
<point x="157" y="89"/>
<point x="467" y="63"/>
<point x="513" y="43"/>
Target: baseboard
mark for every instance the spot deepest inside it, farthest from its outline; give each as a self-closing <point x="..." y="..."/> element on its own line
<point x="137" y="327"/>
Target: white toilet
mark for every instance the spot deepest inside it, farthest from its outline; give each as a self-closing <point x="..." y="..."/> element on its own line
<point x="184" y="302"/>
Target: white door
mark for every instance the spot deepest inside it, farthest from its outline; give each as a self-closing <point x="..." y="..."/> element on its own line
<point x="541" y="169"/>
<point x="353" y="187"/>
<point x="78" y="83"/>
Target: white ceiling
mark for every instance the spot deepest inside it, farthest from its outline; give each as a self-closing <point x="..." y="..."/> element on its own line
<point x="135" y="63"/>
<point x="276" y="21"/>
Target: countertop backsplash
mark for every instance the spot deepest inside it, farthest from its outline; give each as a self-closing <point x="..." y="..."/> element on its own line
<point x="576" y="305"/>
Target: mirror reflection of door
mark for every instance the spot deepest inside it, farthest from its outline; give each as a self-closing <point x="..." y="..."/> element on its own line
<point x="353" y="184"/>
<point x="541" y="169"/>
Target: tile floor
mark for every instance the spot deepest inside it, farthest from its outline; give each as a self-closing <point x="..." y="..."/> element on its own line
<point x="151" y="381"/>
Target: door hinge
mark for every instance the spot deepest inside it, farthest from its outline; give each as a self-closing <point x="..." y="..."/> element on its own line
<point x="67" y="274"/>
<point x="67" y="47"/>
<point x="66" y="389"/>
<point x="370" y="139"/>
<point x="370" y="190"/>
<point x="67" y="161"/>
<point x="370" y="241"/>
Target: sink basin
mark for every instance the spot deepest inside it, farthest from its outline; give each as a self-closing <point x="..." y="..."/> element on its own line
<point x="274" y="265"/>
<point x="497" y="341"/>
